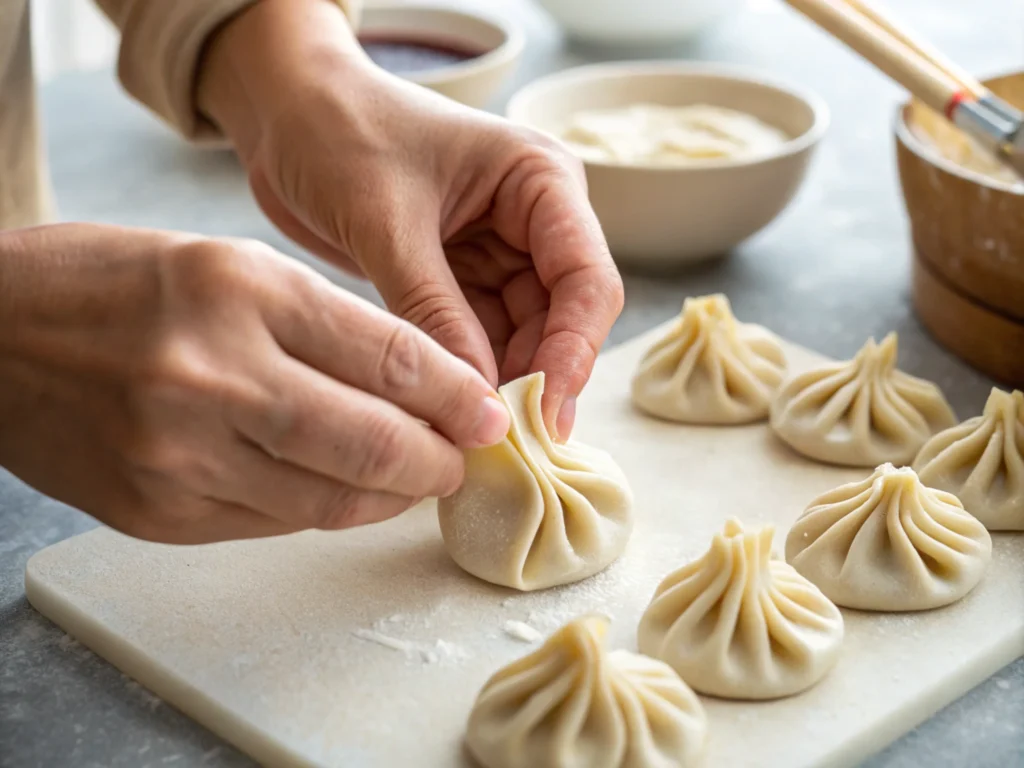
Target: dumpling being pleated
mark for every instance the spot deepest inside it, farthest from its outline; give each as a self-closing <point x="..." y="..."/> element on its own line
<point x="889" y="543"/>
<point x="740" y="623"/>
<point x="710" y="368"/>
<point x="571" y="704"/>
<point x="533" y="513"/>
<point x="862" y="412"/>
<point x="982" y="462"/>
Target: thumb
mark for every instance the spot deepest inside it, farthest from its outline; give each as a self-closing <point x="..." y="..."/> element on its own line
<point x="410" y="270"/>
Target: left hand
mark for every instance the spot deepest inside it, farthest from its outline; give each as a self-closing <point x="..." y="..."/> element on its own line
<point x="476" y="230"/>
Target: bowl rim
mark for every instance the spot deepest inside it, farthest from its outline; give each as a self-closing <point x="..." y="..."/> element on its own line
<point x="508" y="50"/>
<point x="793" y="146"/>
<point x="906" y="137"/>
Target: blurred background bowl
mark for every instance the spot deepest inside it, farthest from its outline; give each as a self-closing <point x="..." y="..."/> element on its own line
<point x="636" y="22"/>
<point x="968" y="241"/>
<point x="494" y="45"/>
<point x="665" y="216"/>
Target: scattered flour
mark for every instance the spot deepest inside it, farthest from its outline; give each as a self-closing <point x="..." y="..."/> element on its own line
<point x="521" y="631"/>
<point x="387" y="641"/>
<point x="439" y="651"/>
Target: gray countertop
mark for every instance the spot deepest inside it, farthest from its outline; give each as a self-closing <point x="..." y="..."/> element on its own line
<point x="831" y="272"/>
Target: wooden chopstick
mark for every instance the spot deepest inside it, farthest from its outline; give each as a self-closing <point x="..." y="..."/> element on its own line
<point x="924" y="72"/>
<point x="900" y="61"/>
<point x="966" y="81"/>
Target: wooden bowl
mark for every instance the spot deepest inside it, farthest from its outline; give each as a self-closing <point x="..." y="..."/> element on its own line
<point x="982" y="337"/>
<point x="969" y="227"/>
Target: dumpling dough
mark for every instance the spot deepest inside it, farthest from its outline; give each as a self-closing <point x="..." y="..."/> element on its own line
<point x="889" y="543"/>
<point x="571" y="704"/>
<point x="862" y="412"/>
<point x="658" y="135"/>
<point x="982" y="462"/>
<point x="533" y="513"/>
<point x="740" y="623"/>
<point x="710" y="368"/>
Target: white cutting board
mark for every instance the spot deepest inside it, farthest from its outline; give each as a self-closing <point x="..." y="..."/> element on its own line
<point x="259" y="641"/>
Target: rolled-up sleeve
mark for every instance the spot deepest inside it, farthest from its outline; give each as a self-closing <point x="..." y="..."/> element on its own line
<point x="161" y="45"/>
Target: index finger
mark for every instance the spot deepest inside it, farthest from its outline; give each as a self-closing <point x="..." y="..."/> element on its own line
<point x="358" y="344"/>
<point x="572" y="261"/>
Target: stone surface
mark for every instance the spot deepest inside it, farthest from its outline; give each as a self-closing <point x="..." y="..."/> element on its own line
<point x="832" y="271"/>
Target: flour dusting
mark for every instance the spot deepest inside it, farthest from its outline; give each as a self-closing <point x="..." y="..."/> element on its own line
<point x="521" y="631"/>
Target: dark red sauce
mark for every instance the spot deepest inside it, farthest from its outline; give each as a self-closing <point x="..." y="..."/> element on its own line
<point x="406" y="56"/>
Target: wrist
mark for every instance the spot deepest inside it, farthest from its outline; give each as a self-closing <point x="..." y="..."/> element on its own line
<point x="262" y="61"/>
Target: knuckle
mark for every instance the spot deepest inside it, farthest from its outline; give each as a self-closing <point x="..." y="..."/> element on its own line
<point x="334" y="509"/>
<point x="430" y="308"/>
<point x="281" y="427"/>
<point x="384" y="456"/>
<point x="173" y="377"/>
<point x="401" y="359"/>
<point x="549" y="151"/>
<point x="461" y="399"/>
<point x="601" y="293"/>
<point x="616" y="291"/>
<point x="214" y="272"/>
<point x="544" y="143"/>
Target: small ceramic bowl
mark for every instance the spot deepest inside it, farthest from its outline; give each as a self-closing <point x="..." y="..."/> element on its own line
<point x="490" y="47"/>
<point x="662" y="216"/>
<point x="968" y="241"/>
<point x="637" y="22"/>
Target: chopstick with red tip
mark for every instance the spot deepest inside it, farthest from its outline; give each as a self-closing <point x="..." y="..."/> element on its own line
<point x="923" y="71"/>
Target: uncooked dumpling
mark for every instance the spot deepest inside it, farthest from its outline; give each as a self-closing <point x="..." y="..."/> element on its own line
<point x="862" y="412"/>
<point x="533" y="513"/>
<point x="740" y="623"/>
<point x="571" y="704"/>
<point x="889" y="543"/>
<point x="710" y="368"/>
<point x="982" y="462"/>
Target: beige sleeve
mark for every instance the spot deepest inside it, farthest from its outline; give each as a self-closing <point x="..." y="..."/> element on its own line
<point x="161" y="44"/>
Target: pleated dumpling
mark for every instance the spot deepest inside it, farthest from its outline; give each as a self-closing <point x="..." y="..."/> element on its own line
<point x="862" y="412"/>
<point x="710" y="368"/>
<point x="533" y="513"/>
<point x="982" y="462"/>
<point x="571" y="704"/>
<point x="889" y="543"/>
<point x="740" y="623"/>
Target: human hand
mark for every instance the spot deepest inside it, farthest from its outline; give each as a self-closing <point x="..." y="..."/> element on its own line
<point x="477" y="231"/>
<point x="187" y="390"/>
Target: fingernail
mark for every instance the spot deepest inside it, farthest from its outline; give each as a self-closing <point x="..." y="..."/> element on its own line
<point x="492" y="423"/>
<point x="565" y="420"/>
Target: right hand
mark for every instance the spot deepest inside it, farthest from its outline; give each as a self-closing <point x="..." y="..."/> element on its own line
<point x="188" y="390"/>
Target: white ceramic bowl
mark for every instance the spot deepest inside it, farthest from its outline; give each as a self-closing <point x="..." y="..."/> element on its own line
<point x="474" y="82"/>
<point x="634" y="22"/>
<point x="672" y="215"/>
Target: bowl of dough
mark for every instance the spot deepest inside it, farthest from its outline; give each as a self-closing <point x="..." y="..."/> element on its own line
<point x="966" y="212"/>
<point x="684" y="161"/>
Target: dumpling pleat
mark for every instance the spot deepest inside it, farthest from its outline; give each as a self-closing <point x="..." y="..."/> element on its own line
<point x="745" y="624"/>
<point x="982" y="462"/>
<point x="586" y="709"/>
<point x="903" y="547"/>
<point x="862" y="412"/>
<point x="563" y="512"/>
<point x="721" y="371"/>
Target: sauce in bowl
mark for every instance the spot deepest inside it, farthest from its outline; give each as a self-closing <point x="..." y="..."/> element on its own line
<point x="403" y="56"/>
